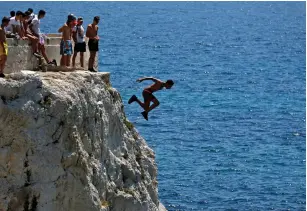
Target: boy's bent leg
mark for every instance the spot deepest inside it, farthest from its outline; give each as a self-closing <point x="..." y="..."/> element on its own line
<point x="132" y="99"/>
<point x="43" y="51"/>
<point x="155" y="104"/>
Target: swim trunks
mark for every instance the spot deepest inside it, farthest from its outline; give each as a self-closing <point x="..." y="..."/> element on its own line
<point x="64" y="50"/>
<point x="5" y="49"/>
<point x="93" y="45"/>
<point x="148" y="96"/>
<point x="80" y="47"/>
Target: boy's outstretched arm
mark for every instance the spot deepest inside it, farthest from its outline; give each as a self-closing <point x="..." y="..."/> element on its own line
<point x="148" y="78"/>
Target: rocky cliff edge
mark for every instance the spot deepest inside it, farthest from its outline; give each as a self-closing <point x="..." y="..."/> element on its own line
<point x="66" y="145"/>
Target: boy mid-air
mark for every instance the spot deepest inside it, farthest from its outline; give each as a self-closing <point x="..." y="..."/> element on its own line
<point x="148" y="96"/>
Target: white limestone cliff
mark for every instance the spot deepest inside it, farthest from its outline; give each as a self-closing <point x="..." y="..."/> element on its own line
<point x="66" y="145"/>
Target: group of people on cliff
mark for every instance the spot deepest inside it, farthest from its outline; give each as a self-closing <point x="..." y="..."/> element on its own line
<point x="26" y="26"/>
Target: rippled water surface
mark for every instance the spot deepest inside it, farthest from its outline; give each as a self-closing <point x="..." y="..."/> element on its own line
<point x="231" y="134"/>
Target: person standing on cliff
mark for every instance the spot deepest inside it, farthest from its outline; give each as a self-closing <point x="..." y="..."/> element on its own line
<point x="80" y="45"/>
<point x="3" y="45"/>
<point x="66" y="44"/>
<point x="92" y="34"/>
<point x="148" y="94"/>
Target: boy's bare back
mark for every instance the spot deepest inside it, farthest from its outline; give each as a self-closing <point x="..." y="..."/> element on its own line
<point x="91" y="31"/>
<point x="66" y="32"/>
<point x="2" y="35"/>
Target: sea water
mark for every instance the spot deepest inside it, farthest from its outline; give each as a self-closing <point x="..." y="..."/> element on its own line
<point x="230" y="134"/>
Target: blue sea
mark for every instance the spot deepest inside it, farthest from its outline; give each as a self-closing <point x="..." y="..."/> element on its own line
<point x="231" y="133"/>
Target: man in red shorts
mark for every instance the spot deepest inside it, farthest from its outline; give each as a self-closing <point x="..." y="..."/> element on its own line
<point x="148" y="96"/>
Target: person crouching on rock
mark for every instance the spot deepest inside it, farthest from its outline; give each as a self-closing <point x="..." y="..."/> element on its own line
<point x="3" y="45"/>
<point x="66" y="44"/>
<point x="148" y="94"/>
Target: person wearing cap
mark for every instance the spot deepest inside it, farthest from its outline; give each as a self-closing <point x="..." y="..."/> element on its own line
<point x="80" y="45"/>
<point x="91" y="33"/>
<point x="3" y="45"/>
<point x="66" y="44"/>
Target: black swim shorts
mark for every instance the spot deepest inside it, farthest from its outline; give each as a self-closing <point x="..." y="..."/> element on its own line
<point x="148" y="96"/>
<point x="80" y="47"/>
<point x="93" y="45"/>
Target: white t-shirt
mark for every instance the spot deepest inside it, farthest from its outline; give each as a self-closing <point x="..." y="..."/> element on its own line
<point x="80" y="36"/>
<point x="13" y="22"/>
<point x="35" y="25"/>
<point x="31" y="17"/>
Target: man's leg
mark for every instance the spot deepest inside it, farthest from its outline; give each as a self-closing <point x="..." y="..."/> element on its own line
<point x="82" y="59"/>
<point x="74" y="58"/>
<point x="43" y="51"/>
<point x="94" y="56"/>
<point x="34" y="42"/>
<point x="144" y="105"/>
<point x="2" y="63"/>
<point x="68" y="57"/>
<point x="62" y="63"/>
<point x="155" y="104"/>
<point x="90" y="61"/>
<point x="64" y="60"/>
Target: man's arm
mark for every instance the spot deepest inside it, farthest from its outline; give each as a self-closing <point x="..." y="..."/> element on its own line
<point x="60" y="29"/>
<point x="87" y="34"/>
<point x="74" y="34"/>
<point x="149" y="78"/>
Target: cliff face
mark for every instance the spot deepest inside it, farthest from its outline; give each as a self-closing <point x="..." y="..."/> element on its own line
<point x="65" y="144"/>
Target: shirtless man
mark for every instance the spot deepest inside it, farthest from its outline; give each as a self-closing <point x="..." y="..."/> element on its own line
<point x="148" y="96"/>
<point x="91" y="33"/>
<point x="66" y="44"/>
<point x="23" y="24"/>
<point x="3" y="45"/>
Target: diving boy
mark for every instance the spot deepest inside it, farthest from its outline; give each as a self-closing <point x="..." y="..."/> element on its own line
<point x="148" y="94"/>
